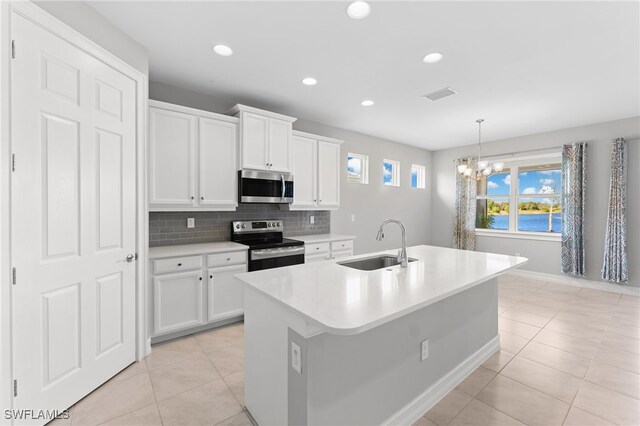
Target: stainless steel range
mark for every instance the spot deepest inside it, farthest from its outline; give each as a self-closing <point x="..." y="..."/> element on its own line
<point x="267" y="248"/>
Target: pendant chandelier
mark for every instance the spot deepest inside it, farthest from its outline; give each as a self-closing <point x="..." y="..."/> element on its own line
<point x="484" y="169"/>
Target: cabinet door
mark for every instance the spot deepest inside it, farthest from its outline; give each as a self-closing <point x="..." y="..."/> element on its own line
<point x="177" y="301"/>
<point x="304" y="172"/>
<point x="171" y="158"/>
<point x="328" y="174"/>
<point x="218" y="177"/>
<point x="255" y="137"/>
<point x="279" y="145"/>
<point x="224" y="298"/>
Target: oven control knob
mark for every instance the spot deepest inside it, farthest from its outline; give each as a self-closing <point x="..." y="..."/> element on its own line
<point x="278" y="224"/>
<point x="244" y="226"/>
<point x="237" y="226"/>
<point x="269" y="224"/>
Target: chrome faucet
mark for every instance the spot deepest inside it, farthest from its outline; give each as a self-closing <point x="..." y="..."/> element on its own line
<point x="402" y="254"/>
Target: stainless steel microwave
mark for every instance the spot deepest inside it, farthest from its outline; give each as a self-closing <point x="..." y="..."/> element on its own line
<point x="265" y="187"/>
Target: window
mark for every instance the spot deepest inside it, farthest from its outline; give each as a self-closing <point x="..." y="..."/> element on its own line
<point x="391" y="172"/>
<point x="523" y="200"/>
<point x="417" y="176"/>
<point x="357" y="168"/>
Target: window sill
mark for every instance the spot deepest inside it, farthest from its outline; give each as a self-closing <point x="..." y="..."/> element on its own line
<point x="519" y="235"/>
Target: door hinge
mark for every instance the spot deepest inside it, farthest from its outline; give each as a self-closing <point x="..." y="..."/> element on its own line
<point x="13" y="162"/>
<point x="13" y="277"/>
<point x="13" y="49"/>
<point x="15" y="388"/>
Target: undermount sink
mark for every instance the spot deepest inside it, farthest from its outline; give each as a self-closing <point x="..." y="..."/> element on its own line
<point x="373" y="263"/>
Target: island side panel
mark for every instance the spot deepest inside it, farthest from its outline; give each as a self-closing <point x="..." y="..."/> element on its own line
<point x="265" y="354"/>
<point x="374" y="377"/>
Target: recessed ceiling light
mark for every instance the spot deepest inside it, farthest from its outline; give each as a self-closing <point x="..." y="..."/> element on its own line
<point x="223" y="50"/>
<point x="432" y="58"/>
<point x="367" y="102"/>
<point x="358" y="9"/>
<point x="309" y="81"/>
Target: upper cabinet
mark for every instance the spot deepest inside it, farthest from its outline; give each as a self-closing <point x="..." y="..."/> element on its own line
<point x="192" y="159"/>
<point x="265" y="139"/>
<point x="316" y="171"/>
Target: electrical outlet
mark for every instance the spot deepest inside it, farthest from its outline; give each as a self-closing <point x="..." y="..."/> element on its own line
<point x="424" y="350"/>
<point x="353" y="218"/>
<point x="191" y="222"/>
<point x="312" y="219"/>
<point x="296" y="357"/>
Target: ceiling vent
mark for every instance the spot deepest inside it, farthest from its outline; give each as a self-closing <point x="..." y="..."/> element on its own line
<point x="439" y="94"/>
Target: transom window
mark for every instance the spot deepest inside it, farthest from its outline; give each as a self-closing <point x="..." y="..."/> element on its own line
<point x="391" y="172"/>
<point x="357" y="168"/>
<point x="418" y="179"/>
<point x="524" y="198"/>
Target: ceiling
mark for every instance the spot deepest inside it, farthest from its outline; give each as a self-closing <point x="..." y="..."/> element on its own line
<point x="525" y="67"/>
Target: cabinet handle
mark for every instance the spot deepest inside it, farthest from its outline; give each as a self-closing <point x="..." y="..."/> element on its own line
<point x="228" y="259"/>
<point x="192" y="197"/>
<point x="179" y="264"/>
<point x="211" y="276"/>
<point x="320" y="200"/>
<point x="200" y="278"/>
<point x="202" y="198"/>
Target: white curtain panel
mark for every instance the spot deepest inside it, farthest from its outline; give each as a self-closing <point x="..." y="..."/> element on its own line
<point x="464" y="232"/>
<point x="614" y="267"/>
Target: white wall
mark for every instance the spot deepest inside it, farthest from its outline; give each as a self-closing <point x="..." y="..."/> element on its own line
<point x="544" y="256"/>
<point x="371" y="203"/>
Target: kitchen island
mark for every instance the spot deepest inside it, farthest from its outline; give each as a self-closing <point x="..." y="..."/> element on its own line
<point x="329" y="344"/>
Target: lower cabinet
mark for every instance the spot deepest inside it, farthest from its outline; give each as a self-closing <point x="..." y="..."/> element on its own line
<point x="224" y="293"/>
<point x="317" y="252"/>
<point x="177" y="301"/>
<point x="194" y="291"/>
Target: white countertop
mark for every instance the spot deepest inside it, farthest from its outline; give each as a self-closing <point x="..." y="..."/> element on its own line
<point x="343" y="300"/>
<point x="321" y="238"/>
<point x="193" y="249"/>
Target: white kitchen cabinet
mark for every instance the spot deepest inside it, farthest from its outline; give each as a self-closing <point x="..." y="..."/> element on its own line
<point x="192" y="291"/>
<point x="265" y="139"/>
<point x="172" y="154"/>
<point x="316" y="171"/>
<point x="177" y="301"/>
<point x="224" y="292"/>
<point x="192" y="161"/>
<point x="326" y="246"/>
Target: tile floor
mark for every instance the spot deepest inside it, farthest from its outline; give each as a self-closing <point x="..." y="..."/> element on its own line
<point x="568" y="356"/>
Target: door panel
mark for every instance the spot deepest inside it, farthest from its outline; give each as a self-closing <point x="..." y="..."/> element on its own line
<point x="224" y="292"/>
<point x="255" y="135"/>
<point x="218" y="176"/>
<point x="328" y="174"/>
<point x="73" y="208"/>
<point x="304" y="172"/>
<point x="279" y="145"/>
<point x="177" y="301"/>
<point x="171" y="153"/>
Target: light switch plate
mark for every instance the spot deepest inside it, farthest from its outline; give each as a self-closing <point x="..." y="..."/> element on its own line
<point x="191" y="222"/>
<point x="296" y="357"/>
<point x="424" y="350"/>
<point x="353" y="218"/>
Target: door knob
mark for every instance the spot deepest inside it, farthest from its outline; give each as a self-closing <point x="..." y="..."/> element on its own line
<point x="131" y="257"/>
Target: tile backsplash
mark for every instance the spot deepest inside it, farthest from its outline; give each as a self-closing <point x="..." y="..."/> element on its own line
<point x="170" y="228"/>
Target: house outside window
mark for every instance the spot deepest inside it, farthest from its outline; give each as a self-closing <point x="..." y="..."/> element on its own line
<point x="521" y="201"/>
<point x="357" y="168"/>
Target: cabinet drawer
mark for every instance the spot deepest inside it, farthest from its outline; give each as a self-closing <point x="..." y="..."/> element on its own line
<point x="177" y="264"/>
<point x="342" y="245"/>
<point x="316" y="258"/>
<point x="341" y="254"/>
<point x="311" y="249"/>
<point x="222" y="259"/>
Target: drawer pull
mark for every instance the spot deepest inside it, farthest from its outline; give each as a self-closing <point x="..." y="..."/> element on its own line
<point x="211" y="276"/>
<point x="200" y="278"/>
<point x="228" y="259"/>
<point x="317" y="248"/>
<point x="179" y="264"/>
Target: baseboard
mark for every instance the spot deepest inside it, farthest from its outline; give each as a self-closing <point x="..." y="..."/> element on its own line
<point x="423" y="403"/>
<point x="194" y="330"/>
<point x="579" y="282"/>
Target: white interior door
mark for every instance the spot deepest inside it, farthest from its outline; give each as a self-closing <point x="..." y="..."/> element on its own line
<point x="73" y="219"/>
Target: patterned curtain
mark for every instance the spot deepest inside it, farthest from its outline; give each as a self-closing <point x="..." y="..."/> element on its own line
<point x="574" y="190"/>
<point x="615" y="246"/>
<point x="464" y="232"/>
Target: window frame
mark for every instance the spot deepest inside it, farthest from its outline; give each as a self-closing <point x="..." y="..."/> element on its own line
<point x="364" y="172"/>
<point x="421" y="178"/>
<point x="514" y="165"/>
<point x="395" y="173"/>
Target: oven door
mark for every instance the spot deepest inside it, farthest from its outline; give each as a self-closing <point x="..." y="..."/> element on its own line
<point x="265" y="187"/>
<point x="275" y="257"/>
